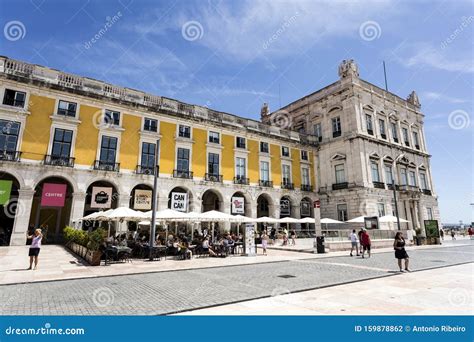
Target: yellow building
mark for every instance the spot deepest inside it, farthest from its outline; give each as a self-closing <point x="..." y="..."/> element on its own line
<point x="71" y="145"/>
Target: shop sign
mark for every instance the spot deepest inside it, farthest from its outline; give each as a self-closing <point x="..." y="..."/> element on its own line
<point x="371" y="222"/>
<point x="53" y="195"/>
<point x="305" y="208"/>
<point x="101" y="197"/>
<point x="179" y="201"/>
<point x="238" y="205"/>
<point x="285" y="207"/>
<point x="142" y="200"/>
<point x="431" y="228"/>
<point x="5" y="191"/>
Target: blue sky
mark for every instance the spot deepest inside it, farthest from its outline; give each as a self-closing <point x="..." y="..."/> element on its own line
<point x="234" y="55"/>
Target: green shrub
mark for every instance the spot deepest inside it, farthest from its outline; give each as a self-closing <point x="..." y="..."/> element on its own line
<point x="78" y="236"/>
<point x="96" y="238"/>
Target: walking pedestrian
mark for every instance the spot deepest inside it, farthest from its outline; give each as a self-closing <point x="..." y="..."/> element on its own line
<point x="359" y="234"/>
<point x="365" y="242"/>
<point x="354" y="242"/>
<point x="293" y="237"/>
<point x="400" y="252"/>
<point x="453" y="235"/>
<point x="35" y="247"/>
<point x="441" y="233"/>
<point x="470" y="232"/>
<point x="264" y="242"/>
<point x="272" y="235"/>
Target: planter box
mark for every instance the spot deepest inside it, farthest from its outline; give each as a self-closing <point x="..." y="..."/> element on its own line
<point x="92" y="257"/>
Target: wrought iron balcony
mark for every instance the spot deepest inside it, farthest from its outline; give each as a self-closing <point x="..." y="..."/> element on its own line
<point x="391" y="186"/>
<point x="370" y="131"/>
<point x="339" y="186"/>
<point x="395" y="140"/>
<point x="241" y="180"/>
<point x="265" y="183"/>
<point x="10" y="155"/>
<point x="306" y="187"/>
<point x="379" y="185"/>
<point x="427" y="192"/>
<point x="106" y="166"/>
<point x="59" y="161"/>
<point x="182" y="174"/>
<point x="336" y="134"/>
<point x="211" y="177"/>
<point x="384" y="136"/>
<point x="287" y="185"/>
<point x="146" y="170"/>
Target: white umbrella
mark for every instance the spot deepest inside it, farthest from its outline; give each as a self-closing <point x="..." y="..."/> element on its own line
<point x="125" y="213"/>
<point x="98" y="215"/>
<point x="391" y="219"/>
<point x="330" y="221"/>
<point x="167" y="215"/>
<point x="214" y="216"/>
<point x="359" y="219"/>
<point x="265" y="219"/>
<point x="242" y="219"/>
<point x="288" y="220"/>
<point x="306" y="220"/>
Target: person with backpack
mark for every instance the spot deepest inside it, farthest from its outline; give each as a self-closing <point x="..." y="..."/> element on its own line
<point x="365" y="242"/>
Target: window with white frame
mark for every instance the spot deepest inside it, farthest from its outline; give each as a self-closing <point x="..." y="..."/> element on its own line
<point x="214" y="137"/>
<point x="67" y="108"/>
<point x="240" y="142"/>
<point x="286" y="174"/>
<point x="394" y="128"/>
<point x="112" y="117"/>
<point x="62" y="141"/>
<point x="265" y="171"/>
<point x="213" y="164"/>
<point x="264" y="147"/>
<point x="403" y="176"/>
<point x="9" y="132"/>
<point x="148" y="155"/>
<point x="429" y="213"/>
<point x="416" y="140"/>
<point x="14" y="98"/>
<point x="318" y="130"/>
<point x="285" y="151"/>
<point x="340" y="173"/>
<point x="342" y="212"/>
<point x="405" y="136"/>
<point x="412" y="178"/>
<point x="108" y="150"/>
<point x="304" y="155"/>
<point x="150" y="125"/>
<point x="240" y="168"/>
<point x="182" y="160"/>
<point x="184" y="131"/>
<point x="388" y="174"/>
<point x="383" y="133"/>
<point x="369" y="125"/>
<point x="423" y="182"/>
<point x="374" y="167"/>
<point x="336" y="126"/>
<point x="305" y="176"/>
<point x="381" y="209"/>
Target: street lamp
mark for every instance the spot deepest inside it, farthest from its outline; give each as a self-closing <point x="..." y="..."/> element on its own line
<point x="156" y="170"/>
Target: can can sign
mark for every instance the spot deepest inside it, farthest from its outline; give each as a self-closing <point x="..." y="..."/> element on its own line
<point x="317" y="204"/>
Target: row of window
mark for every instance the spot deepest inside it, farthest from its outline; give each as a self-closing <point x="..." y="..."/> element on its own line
<point x="111" y="117"/>
<point x="337" y="131"/>
<point x="63" y="139"/>
<point x="343" y="216"/>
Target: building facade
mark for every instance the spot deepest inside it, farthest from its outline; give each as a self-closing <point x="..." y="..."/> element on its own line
<point x="370" y="141"/>
<point x="70" y="146"/>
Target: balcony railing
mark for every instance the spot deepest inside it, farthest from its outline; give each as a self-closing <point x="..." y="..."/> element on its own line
<point x="339" y="186"/>
<point x="106" y="166"/>
<point x="288" y="186"/>
<point x="391" y="186"/>
<point x="427" y="192"/>
<point x="10" y="155"/>
<point x="336" y="134"/>
<point x="407" y="143"/>
<point x="395" y="140"/>
<point x="211" y="177"/>
<point x="182" y="174"/>
<point x="306" y="187"/>
<point x="145" y="170"/>
<point x="379" y="185"/>
<point x="384" y="136"/>
<point x="241" y="180"/>
<point x="59" y="161"/>
<point x="370" y="131"/>
<point x="265" y="183"/>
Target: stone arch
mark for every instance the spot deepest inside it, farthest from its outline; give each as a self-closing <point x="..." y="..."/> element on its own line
<point x="9" y="210"/>
<point x="248" y="202"/>
<point x="16" y="175"/>
<point x="211" y="199"/>
<point x="49" y="174"/>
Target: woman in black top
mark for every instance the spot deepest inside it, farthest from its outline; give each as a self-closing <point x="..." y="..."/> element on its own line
<point x="400" y="252"/>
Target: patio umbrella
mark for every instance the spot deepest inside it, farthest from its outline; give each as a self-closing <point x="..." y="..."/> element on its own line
<point x="126" y="214"/>
<point x="327" y="221"/>
<point x="359" y="219"/>
<point x="391" y="219"/>
<point x="288" y="220"/>
<point x="265" y="219"/>
<point x="167" y="215"/>
<point x="306" y="220"/>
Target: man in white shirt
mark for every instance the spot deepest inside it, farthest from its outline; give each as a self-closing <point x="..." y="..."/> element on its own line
<point x="354" y="241"/>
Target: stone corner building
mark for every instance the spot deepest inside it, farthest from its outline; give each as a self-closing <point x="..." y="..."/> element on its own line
<point x="369" y="139"/>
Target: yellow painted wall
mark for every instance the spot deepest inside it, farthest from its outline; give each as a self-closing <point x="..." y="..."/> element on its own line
<point x="199" y="152"/>
<point x="167" y="147"/>
<point x="295" y="167"/>
<point x="276" y="164"/>
<point x="253" y="167"/>
<point x="37" y="129"/>
<point x="130" y="142"/>
<point x="228" y="169"/>
<point x="87" y="135"/>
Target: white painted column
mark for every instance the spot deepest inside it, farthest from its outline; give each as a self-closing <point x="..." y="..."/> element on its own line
<point x="77" y="207"/>
<point x="22" y="217"/>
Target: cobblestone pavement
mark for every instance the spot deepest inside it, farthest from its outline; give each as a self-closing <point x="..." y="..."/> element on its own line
<point x="174" y="291"/>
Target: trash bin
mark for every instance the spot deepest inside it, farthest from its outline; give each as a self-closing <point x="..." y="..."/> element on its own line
<point x="320" y="244"/>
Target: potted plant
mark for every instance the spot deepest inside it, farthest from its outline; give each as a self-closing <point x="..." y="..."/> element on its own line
<point x="95" y="240"/>
<point x="419" y="238"/>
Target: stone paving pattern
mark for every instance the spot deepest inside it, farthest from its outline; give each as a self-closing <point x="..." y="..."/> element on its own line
<point x="174" y="291"/>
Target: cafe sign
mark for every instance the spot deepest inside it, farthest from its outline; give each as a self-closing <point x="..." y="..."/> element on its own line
<point x="238" y="205"/>
<point x="5" y="190"/>
<point x="285" y="206"/>
<point x="101" y="197"/>
<point x="142" y="200"/>
<point x="53" y="195"/>
<point x="179" y="201"/>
